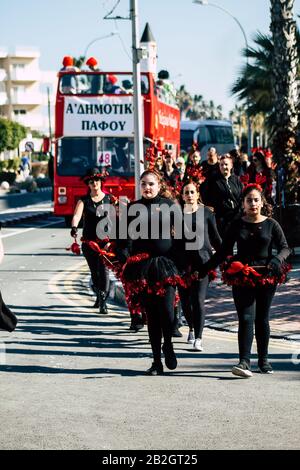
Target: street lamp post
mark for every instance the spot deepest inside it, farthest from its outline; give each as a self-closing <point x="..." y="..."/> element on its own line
<point x="206" y="3"/>
<point x="137" y="96"/>
<point x="95" y="40"/>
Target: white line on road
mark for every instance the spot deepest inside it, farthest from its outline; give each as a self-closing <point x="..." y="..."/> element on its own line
<point x="19" y="232"/>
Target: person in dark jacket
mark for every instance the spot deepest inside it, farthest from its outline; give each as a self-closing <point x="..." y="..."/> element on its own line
<point x="224" y="195"/>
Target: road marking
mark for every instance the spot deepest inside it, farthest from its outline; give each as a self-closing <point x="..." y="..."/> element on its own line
<point x="74" y="299"/>
<point x="19" y="232"/>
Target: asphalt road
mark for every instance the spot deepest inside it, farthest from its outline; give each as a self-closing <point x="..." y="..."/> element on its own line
<point x="70" y="379"/>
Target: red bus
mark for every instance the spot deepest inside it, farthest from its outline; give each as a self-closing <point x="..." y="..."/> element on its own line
<point x="94" y="127"/>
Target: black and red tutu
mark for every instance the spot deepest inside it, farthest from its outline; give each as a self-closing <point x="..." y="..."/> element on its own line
<point x="143" y="274"/>
<point x="254" y="274"/>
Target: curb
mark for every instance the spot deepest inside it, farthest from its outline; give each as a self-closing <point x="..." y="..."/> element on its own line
<point x="6" y="221"/>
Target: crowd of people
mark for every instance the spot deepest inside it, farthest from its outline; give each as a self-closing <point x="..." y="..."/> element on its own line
<point x="221" y="201"/>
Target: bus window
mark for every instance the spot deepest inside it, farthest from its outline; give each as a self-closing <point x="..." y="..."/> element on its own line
<point x="220" y="134"/>
<point x="100" y="83"/>
<point x="186" y="139"/>
<point x="75" y="156"/>
<point x="116" y="154"/>
<point x="203" y="137"/>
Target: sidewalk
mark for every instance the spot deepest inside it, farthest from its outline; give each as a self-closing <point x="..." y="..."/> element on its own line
<point x="221" y="313"/>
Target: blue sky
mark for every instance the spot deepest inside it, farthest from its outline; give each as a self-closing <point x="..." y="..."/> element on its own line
<point x="199" y="45"/>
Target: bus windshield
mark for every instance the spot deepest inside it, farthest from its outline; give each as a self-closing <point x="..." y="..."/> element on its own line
<point x="100" y="83"/>
<point x="77" y="154"/>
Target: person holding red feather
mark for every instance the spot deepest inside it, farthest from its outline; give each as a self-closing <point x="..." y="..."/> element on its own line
<point x="254" y="273"/>
<point x="150" y="275"/>
<point x="87" y="208"/>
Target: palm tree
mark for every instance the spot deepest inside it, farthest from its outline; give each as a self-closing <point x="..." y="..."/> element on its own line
<point x="285" y="63"/>
<point x="185" y="101"/>
<point x="254" y="82"/>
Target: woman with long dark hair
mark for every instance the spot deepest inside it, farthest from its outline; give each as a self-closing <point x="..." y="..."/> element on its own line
<point x="254" y="273"/>
<point x="202" y="225"/>
<point x="87" y="208"/>
<point x="149" y="275"/>
<point x="260" y="173"/>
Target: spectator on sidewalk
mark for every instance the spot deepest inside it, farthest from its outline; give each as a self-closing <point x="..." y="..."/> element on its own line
<point x="254" y="273"/>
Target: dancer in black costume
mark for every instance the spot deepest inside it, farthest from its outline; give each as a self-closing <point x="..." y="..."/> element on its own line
<point x="253" y="273"/>
<point x="87" y="208"/>
<point x="150" y="275"/>
<point x="203" y="225"/>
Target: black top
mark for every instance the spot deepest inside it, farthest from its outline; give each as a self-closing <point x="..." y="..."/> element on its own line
<point x="210" y="171"/>
<point x="90" y="217"/>
<point x="144" y="222"/>
<point x="225" y="196"/>
<point x="202" y="223"/>
<point x="255" y="242"/>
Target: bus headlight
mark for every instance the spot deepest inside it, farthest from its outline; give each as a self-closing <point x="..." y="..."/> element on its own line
<point x="62" y="199"/>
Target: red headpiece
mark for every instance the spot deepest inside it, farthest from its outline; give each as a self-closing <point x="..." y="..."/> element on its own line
<point x="92" y="62"/>
<point x="253" y="186"/>
<point x="112" y="79"/>
<point x="68" y="61"/>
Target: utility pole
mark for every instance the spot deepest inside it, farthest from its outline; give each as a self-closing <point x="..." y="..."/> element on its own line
<point x="137" y="97"/>
<point x="49" y="117"/>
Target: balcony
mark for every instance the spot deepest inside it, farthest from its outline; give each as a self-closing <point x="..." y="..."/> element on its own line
<point x="25" y="75"/>
<point x="26" y="52"/>
<point x="3" y="98"/>
<point x="3" y="75"/>
<point x="27" y="98"/>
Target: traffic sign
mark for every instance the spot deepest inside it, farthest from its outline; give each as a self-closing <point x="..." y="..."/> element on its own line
<point x="29" y="146"/>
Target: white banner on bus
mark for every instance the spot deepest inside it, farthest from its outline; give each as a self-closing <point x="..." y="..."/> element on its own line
<point x="106" y="116"/>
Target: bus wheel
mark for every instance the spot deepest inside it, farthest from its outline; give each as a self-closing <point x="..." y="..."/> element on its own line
<point x="68" y="220"/>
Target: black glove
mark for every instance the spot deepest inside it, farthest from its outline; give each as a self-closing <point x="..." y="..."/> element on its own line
<point x="274" y="266"/>
<point x="74" y="232"/>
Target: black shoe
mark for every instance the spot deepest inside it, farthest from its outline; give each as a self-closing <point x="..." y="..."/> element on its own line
<point x="96" y="304"/>
<point x="102" y="303"/>
<point x="265" y="367"/>
<point x="176" y="333"/>
<point x="136" y="323"/>
<point x="170" y="358"/>
<point x="155" y="369"/>
<point x="242" y="369"/>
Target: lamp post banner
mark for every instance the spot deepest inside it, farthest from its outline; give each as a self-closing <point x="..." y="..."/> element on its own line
<point x="107" y="116"/>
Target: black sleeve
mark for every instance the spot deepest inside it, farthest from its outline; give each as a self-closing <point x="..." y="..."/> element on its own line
<point x="214" y="236"/>
<point x="225" y="249"/>
<point x="280" y="243"/>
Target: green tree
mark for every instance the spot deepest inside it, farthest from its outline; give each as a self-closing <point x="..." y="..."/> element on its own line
<point x="11" y="134"/>
<point x="255" y="81"/>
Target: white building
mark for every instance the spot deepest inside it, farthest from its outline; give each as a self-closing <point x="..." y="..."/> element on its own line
<point x="23" y="89"/>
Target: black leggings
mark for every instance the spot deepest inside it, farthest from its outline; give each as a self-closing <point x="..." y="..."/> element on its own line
<point x="192" y="302"/>
<point x="99" y="272"/>
<point x="160" y="319"/>
<point x="253" y="306"/>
